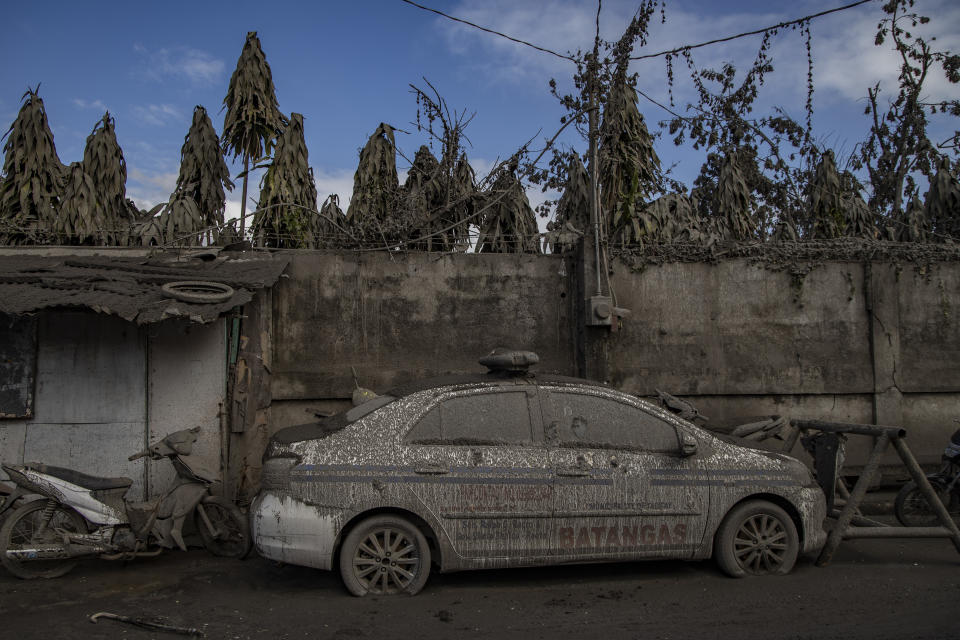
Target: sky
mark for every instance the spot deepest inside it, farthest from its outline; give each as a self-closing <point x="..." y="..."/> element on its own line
<point x="347" y="66"/>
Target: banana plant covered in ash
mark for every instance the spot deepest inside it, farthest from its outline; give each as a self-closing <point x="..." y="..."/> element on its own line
<point x="286" y="215"/>
<point x="32" y="176"/>
<point x="196" y="207"/>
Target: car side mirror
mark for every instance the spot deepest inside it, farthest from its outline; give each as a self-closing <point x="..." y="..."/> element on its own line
<point x="688" y="445"/>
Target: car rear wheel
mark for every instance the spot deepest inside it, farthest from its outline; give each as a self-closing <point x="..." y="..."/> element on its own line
<point x="384" y="555"/>
<point x="756" y="538"/>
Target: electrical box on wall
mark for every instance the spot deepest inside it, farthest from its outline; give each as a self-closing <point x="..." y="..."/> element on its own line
<point x="602" y="313"/>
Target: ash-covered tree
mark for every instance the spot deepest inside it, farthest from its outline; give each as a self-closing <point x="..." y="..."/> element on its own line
<point x="332" y="223"/>
<point x="898" y="149"/>
<point x="573" y="210"/>
<point x="82" y="218"/>
<point x="440" y="196"/>
<point x="942" y="208"/>
<point x="508" y="224"/>
<point x="253" y="120"/>
<point x="836" y="207"/>
<point x="33" y="175"/>
<point x="376" y="190"/>
<point x="103" y="161"/>
<point x="194" y="214"/>
<point x="286" y="215"/>
<point x="629" y="167"/>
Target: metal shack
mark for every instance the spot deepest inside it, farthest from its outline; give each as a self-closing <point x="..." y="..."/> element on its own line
<point x="100" y="355"/>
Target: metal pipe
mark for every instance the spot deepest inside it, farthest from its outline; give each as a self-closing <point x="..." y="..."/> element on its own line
<point x="924" y="485"/>
<point x="856" y="497"/>
<point x="896" y="532"/>
<point x="594" y="190"/>
<point x="851" y="427"/>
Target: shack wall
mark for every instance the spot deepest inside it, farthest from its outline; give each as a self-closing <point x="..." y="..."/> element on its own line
<point x="105" y="387"/>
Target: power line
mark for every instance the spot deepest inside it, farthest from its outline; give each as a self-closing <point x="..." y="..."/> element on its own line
<point x="496" y="33"/>
<point x="750" y="33"/>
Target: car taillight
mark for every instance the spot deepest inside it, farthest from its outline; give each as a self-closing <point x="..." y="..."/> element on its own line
<point x="275" y="473"/>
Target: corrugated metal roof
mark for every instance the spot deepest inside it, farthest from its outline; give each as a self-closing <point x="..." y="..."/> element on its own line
<point x="129" y="283"/>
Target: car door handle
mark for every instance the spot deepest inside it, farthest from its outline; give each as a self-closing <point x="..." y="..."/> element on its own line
<point x="431" y="470"/>
<point x="573" y="472"/>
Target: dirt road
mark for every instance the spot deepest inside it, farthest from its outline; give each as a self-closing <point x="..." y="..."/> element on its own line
<point x="874" y="589"/>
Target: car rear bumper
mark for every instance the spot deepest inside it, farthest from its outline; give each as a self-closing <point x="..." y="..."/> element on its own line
<point x="289" y="530"/>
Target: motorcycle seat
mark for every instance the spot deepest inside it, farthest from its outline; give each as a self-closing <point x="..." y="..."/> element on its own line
<point x="94" y="483"/>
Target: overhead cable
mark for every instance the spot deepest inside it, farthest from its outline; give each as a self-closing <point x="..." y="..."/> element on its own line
<point x="496" y="33"/>
<point x="779" y="25"/>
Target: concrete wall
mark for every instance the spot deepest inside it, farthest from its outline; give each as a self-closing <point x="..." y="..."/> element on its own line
<point x="106" y="387"/>
<point x="848" y="342"/>
<point x="394" y="317"/>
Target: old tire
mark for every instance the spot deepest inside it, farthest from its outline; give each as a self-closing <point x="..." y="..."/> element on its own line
<point x="384" y="555"/>
<point x="20" y="531"/>
<point x="756" y="538"/>
<point x="231" y="535"/>
<point x="911" y="506"/>
<point x="198" y="291"/>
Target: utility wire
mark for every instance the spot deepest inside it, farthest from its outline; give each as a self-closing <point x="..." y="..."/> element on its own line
<point x="750" y="33"/>
<point x="496" y="33"/>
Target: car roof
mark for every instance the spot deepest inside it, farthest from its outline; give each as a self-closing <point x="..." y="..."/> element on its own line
<point x="489" y="378"/>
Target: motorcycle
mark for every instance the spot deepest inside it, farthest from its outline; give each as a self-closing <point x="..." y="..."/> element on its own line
<point x="82" y="515"/>
<point x="911" y="506"/>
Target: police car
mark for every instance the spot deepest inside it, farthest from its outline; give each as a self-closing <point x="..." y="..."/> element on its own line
<point x="509" y="469"/>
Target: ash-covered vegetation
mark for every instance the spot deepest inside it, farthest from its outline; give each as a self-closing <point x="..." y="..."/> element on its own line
<point x="766" y="187"/>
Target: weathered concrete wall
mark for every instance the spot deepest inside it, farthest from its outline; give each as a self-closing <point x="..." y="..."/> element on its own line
<point x="106" y="387"/>
<point x="394" y="317"/>
<point x="848" y="342"/>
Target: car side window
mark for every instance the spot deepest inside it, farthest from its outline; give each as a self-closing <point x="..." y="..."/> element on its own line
<point x="480" y="419"/>
<point x="584" y="420"/>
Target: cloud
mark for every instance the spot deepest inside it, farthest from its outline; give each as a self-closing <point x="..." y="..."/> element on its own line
<point x="156" y="114"/>
<point x="199" y="67"/>
<point x="89" y="104"/>
<point x="147" y="189"/>
<point x="335" y="181"/>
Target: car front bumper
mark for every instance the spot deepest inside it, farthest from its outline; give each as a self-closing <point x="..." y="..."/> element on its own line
<point x="289" y="530"/>
<point x="813" y="513"/>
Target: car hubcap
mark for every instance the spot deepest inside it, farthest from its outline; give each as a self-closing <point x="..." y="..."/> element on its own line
<point x="386" y="561"/>
<point x="761" y="543"/>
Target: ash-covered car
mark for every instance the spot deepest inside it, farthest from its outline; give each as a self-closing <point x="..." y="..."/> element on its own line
<point x="509" y="469"/>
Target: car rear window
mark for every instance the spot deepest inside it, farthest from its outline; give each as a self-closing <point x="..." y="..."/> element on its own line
<point x="501" y="417"/>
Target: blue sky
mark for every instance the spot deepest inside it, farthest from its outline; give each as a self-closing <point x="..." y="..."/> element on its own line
<point x="347" y="65"/>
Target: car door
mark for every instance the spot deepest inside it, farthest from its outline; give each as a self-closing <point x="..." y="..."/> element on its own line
<point x="619" y="484"/>
<point x="480" y="467"/>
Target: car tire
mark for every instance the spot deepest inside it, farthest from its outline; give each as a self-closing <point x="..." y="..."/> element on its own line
<point x="756" y="538"/>
<point x="384" y="555"/>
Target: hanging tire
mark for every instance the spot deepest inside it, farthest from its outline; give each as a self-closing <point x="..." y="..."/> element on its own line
<point x="25" y="528"/>
<point x="911" y="506"/>
<point x="756" y="538"/>
<point x="384" y="555"/>
<point x="230" y="536"/>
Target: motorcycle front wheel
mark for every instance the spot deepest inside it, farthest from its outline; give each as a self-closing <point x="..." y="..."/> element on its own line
<point x="38" y="523"/>
<point x="911" y="506"/>
<point x="222" y="527"/>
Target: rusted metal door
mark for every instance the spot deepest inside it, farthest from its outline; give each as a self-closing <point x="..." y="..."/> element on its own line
<point x="621" y="487"/>
<point x="482" y="469"/>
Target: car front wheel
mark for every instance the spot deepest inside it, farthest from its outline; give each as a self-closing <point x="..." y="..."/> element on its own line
<point x="384" y="555"/>
<point x="756" y="538"/>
